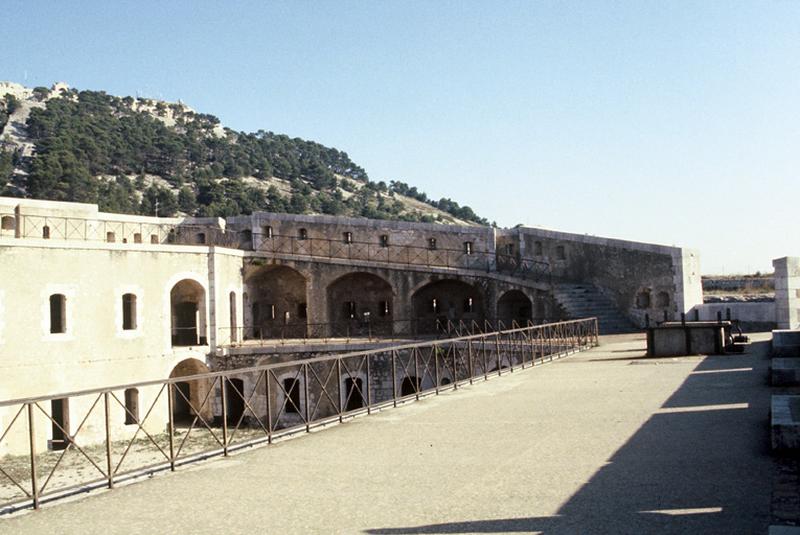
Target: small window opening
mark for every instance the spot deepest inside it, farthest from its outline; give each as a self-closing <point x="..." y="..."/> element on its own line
<point x="270" y="311"/>
<point x="350" y="309"/>
<point x="467" y="247"/>
<point x="292" y="389"/>
<point x="302" y="310"/>
<point x="58" y="313"/>
<point x="137" y="238"/>
<point x="662" y="300"/>
<point x="201" y="238"/>
<point x="432" y="244"/>
<point x="560" y="253"/>
<point x="510" y="248"/>
<point x="643" y="299"/>
<point x="537" y="248"/>
<point x="128" y="312"/>
<point x="154" y="238"/>
<point x="9" y="223"/>
<point x="468" y="305"/>
<point x="385" y="310"/>
<point x="434" y="305"/>
<point x="131" y="406"/>
<point x="303" y="234"/>
<point x="348" y="237"/>
<point x="46" y="232"/>
<point x="111" y="237"/>
<point x="384" y="240"/>
<point x="267" y="231"/>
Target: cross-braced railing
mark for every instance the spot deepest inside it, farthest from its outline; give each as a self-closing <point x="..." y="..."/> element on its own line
<point x="131" y="430"/>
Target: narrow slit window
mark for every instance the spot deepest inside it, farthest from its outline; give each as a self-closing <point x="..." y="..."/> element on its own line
<point x="303" y="234"/>
<point x="131" y="406"/>
<point x="46" y="232"/>
<point x="432" y="244"/>
<point x="467" y="247"/>
<point x="267" y="232"/>
<point x="128" y="312"/>
<point x="385" y="309"/>
<point x="58" y="313"/>
<point x="348" y="237"/>
<point x="350" y="309"/>
<point x="384" y="240"/>
<point x="469" y="305"/>
<point x="434" y="305"/>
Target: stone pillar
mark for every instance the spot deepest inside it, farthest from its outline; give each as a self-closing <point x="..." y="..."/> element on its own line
<point x="787" y="292"/>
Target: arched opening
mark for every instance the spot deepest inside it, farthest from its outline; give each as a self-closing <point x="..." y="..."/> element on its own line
<point x="131" y="406"/>
<point x="277" y="296"/>
<point x="410" y="385"/>
<point x="446" y="300"/>
<point x="188" y="311"/>
<point x="643" y="299"/>
<point x="361" y="304"/>
<point x="190" y="398"/>
<point x="514" y="306"/>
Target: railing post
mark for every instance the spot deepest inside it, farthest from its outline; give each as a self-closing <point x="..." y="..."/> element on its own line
<point x="223" y="383"/>
<point x="308" y="404"/>
<point x="171" y="427"/>
<point x="436" y="369"/>
<point x="32" y="446"/>
<point x="485" y="360"/>
<point x="394" y="377"/>
<point x="268" y="394"/>
<point x="470" y="364"/>
<point x="369" y="394"/>
<point x="497" y="348"/>
<point x="455" y="369"/>
<point x="339" y="387"/>
<point x="416" y="372"/>
<point x="108" y="440"/>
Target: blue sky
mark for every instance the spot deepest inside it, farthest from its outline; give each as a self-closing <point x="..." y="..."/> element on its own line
<point x="669" y="122"/>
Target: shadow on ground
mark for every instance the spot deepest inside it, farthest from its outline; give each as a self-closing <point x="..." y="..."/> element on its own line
<point x="701" y="464"/>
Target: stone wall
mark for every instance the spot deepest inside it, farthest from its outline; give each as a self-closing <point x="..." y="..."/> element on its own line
<point x="787" y="292"/>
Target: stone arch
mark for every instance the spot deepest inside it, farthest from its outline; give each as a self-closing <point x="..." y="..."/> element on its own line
<point x="188" y="313"/>
<point x="278" y="303"/>
<point x="513" y="306"/>
<point x="446" y="300"/>
<point x="191" y="398"/>
<point x="360" y="303"/>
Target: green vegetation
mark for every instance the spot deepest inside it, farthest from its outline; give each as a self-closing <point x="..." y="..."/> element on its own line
<point x="90" y="146"/>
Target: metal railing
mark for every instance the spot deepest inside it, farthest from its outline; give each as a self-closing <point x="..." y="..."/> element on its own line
<point x="132" y="430"/>
<point x="276" y="331"/>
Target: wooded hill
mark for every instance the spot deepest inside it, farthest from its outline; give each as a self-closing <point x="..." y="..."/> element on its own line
<point x="132" y="155"/>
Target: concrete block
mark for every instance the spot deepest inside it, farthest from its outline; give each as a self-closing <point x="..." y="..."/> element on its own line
<point x="785" y="372"/>
<point x="785" y="422"/>
<point x="786" y="343"/>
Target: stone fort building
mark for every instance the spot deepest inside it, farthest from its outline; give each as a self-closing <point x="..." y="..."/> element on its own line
<point x="91" y="299"/>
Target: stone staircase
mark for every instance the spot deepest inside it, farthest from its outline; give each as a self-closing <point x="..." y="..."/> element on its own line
<point x="585" y="300"/>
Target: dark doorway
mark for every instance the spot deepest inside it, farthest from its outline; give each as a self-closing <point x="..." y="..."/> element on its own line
<point x="59" y="411"/>
<point x="182" y="412"/>
<point x="410" y="386"/>
<point x="185" y="324"/>
<point x="234" y="396"/>
<point x="354" y="389"/>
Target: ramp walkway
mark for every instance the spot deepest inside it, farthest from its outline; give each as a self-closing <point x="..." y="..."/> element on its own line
<point x="605" y="441"/>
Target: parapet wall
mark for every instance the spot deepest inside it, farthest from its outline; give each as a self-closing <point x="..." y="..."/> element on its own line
<point x="643" y="279"/>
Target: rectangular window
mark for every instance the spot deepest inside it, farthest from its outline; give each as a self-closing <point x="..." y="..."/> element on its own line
<point x="201" y="238"/>
<point x="46" y="232"/>
<point x="537" y="248"/>
<point x="561" y="253"/>
<point x="128" y="312"/>
<point x="131" y="406"/>
<point x="292" y="391"/>
<point x="267" y="231"/>
<point x="110" y="237"/>
<point x="303" y="234"/>
<point x="384" y="240"/>
<point x="137" y="238"/>
<point x="154" y="239"/>
<point x="348" y="237"/>
<point x="302" y="310"/>
<point x="469" y="305"/>
<point x="58" y="313"/>
<point x="467" y="247"/>
<point x="432" y="244"/>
